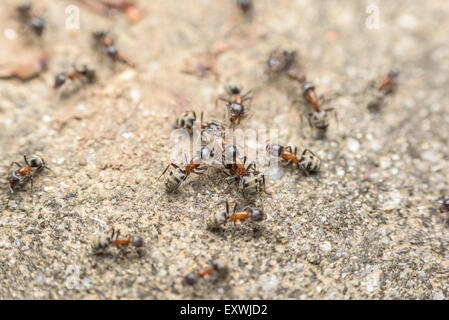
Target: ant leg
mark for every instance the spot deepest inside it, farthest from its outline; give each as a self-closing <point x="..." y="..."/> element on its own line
<point x="171" y="164"/>
<point x="26" y="160"/>
<point x="31" y="183"/>
<point x="251" y="165"/>
<point x="14" y="163"/>
<point x="235" y="208"/>
<point x="247" y="94"/>
<point x="221" y="99"/>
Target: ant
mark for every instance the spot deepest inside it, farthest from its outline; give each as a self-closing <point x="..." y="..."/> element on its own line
<point x="105" y="241"/>
<point x="245" y="5"/>
<point x="236" y="170"/>
<point x="85" y="71"/>
<point x="104" y="40"/>
<point x="308" y="161"/>
<point x="25" y="172"/>
<point x="178" y="175"/>
<point x="35" y="22"/>
<point x="218" y="268"/>
<point x="387" y="86"/>
<point x="280" y="60"/>
<point x="318" y="119"/>
<point x="247" y="213"/>
<point x="235" y="104"/>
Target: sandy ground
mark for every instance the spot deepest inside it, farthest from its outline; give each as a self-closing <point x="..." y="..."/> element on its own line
<point x="333" y="236"/>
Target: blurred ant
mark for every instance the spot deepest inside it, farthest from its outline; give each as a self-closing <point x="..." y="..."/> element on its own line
<point x="105" y="241"/>
<point x="318" y="119"/>
<point x="296" y="75"/>
<point x="105" y="41"/>
<point x="280" y="60"/>
<point x="26" y="14"/>
<point x="245" y="5"/>
<point x="178" y="175"/>
<point x="25" y="172"/>
<point x="387" y="86"/>
<point x="218" y="268"/>
<point x="308" y="161"/>
<point x="78" y="73"/>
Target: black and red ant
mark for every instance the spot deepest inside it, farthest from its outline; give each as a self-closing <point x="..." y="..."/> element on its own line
<point x="78" y="73"/>
<point x="25" y="172"/>
<point x="107" y="43"/>
<point x="35" y="22"/>
<point x="235" y="104"/>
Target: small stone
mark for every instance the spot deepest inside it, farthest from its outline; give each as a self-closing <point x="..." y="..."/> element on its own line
<point x="353" y="145"/>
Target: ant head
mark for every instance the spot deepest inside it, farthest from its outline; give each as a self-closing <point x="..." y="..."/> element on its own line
<point x="59" y="80"/>
<point x="137" y="241"/>
<point x="274" y="149"/>
<point x="190" y="279"/>
<point x="257" y="215"/>
<point x="308" y="86"/>
<point x="274" y="64"/>
<point x="38" y="25"/>
<point x="112" y="51"/>
<point x="245" y="5"/>
<point x="445" y="205"/>
<point x="36" y="162"/>
<point x="393" y="73"/>
<point x="235" y="90"/>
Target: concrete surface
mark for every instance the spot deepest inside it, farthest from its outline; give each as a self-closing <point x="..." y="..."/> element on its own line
<point x="338" y="236"/>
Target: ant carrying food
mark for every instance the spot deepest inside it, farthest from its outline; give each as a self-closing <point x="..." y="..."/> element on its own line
<point x="25" y="172"/>
<point x="218" y="267"/>
<point x="308" y="161"/>
<point x="107" y="43"/>
<point x="26" y="14"/>
<point x="114" y="239"/>
<point x="84" y="72"/>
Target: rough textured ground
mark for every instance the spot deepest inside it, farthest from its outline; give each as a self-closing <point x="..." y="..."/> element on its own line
<point x="334" y="237"/>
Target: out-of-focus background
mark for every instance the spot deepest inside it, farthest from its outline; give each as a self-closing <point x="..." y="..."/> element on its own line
<point x="368" y="226"/>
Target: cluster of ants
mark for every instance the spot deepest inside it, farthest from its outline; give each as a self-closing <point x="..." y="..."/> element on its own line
<point x="250" y="181"/>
